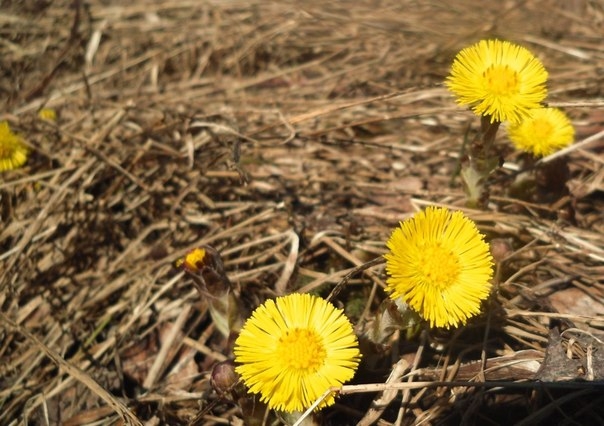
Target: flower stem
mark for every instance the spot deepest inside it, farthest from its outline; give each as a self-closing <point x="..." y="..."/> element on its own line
<point x="480" y="162"/>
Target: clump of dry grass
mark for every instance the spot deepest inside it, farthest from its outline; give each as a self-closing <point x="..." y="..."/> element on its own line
<point x="291" y="138"/>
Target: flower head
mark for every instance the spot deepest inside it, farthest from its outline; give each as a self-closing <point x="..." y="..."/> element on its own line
<point x="498" y="79"/>
<point x="48" y="114"/>
<point x="193" y="261"/>
<point x="13" y="152"/>
<point x="440" y="265"/>
<point x="543" y="132"/>
<point x="294" y="348"/>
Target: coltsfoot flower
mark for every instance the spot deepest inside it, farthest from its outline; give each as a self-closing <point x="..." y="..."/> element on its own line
<point x="498" y="79"/>
<point x="543" y="132"/>
<point x="13" y="151"/>
<point x="193" y="261"/>
<point x="48" y="114"/>
<point x="440" y="265"/>
<point x="292" y="349"/>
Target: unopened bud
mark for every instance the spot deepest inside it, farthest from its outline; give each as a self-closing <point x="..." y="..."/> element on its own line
<point x="204" y="266"/>
<point x="224" y="378"/>
<point x="500" y="249"/>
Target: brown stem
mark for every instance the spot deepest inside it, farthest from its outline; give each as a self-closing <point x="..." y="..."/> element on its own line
<point x="483" y="159"/>
<point x="489" y="131"/>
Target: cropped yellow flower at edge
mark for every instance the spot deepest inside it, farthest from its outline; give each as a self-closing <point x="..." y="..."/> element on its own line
<point x="440" y="265"/>
<point x="544" y="132"/>
<point x="292" y="349"/>
<point x="13" y="151"/>
<point x="48" y="114"/>
<point x="498" y="79"/>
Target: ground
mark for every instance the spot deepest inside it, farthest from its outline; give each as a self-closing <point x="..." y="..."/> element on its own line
<point x="292" y="137"/>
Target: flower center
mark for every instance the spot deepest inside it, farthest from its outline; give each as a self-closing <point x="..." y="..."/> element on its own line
<point x="438" y="266"/>
<point x="501" y="80"/>
<point x="301" y="349"/>
<point x="542" y="129"/>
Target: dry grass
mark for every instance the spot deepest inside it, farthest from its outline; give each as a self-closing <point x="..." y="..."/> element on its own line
<point x="292" y="138"/>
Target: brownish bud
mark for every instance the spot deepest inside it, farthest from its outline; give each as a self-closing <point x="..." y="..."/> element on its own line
<point x="204" y="264"/>
<point x="224" y="378"/>
<point x="500" y="249"/>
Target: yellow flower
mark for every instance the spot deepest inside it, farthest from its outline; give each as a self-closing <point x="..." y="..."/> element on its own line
<point x="544" y="132"/>
<point x="294" y="348"/>
<point x="193" y="261"/>
<point x="440" y="265"/>
<point x="13" y="152"/>
<point x="498" y="79"/>
<point x="47" y="114"/>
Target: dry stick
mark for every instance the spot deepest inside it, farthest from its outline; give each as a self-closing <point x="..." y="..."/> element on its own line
<point x="415" y="113"/>
<point x="326" y="110"/>
<point x="584" y="103"/>
<point x="289" y="264"/>
<point x="162" y="359"/>
<point x="73" y="38"/>
<point x="61" y="386"/>
<point x="407" y="392"/>
<point x="483" y="356"/>
<point x="273" y="239"/>
<point x="333" y="108"/>
<point x="367" y="311"/>
<point x="545" y="234"/>
<point x="243" y="224"/>
<point x="138" y="311"/>
<point x="30" y="360"/>
<point x="535" y="384"/>
<point x="48" y="231"/>
<point x="203" y="349"/>
<point x="36" y="178"/>
<point x="88" y="145"/>
<point x="41" y="218"/>
<point x="127" y="416"/>
<point x="587" y="319"/>
<point x="221" y="129"/>
<point x="537" y="417"/>
<point x="111" y="341"/>
<point x="61" y="192"/>
<point x="381" y="402"/>
<point x="136" y="243"/>
<point x="232" y="86"/>
<point x="381" y="387"/>
<point x="571" y="51"/>
<point x="348" y="276"/>
<point x="97" y="78"/>
<point x="571" y="148"/>
<point x="333" y="277"/>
